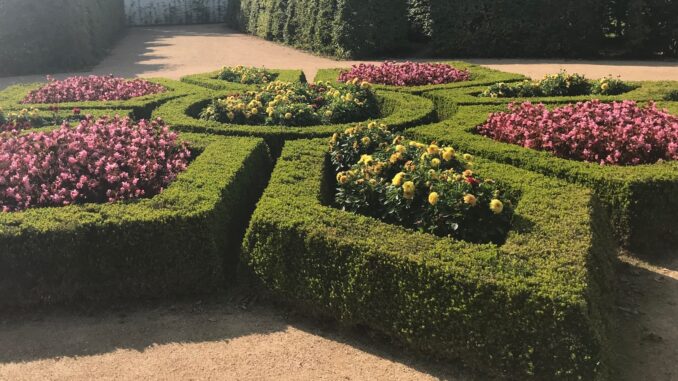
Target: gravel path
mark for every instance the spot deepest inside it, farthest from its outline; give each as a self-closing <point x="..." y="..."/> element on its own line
<point x="175" y="51"/>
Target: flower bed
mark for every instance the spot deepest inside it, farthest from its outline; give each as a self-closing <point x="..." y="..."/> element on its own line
<point x="13" y="97"/>
<point x="640" y="197"/>
<point x="32" y="118"/>
<point x="182" y="241"/>
<point x="558" y="85"/>
<point x="530" y="308"/>
<point x="294" y="104"/>
<point x="91" y="88"/>
<point x="405" y="74"/>
<point x="103" y="160"/>
<point x="396" y="110"/>
<point x="216" y="81"/>
<point x="478" y="76"/>
<point x="618" y="133"/>
<point x="425" y="187"/>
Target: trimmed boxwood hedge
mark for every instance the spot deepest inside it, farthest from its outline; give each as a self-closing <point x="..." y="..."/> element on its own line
<point x="182" y="241"/>
<point x="641" y="198"/>
<point x="343" y="28"/>
<point x="479" y="76"/>
<point x="398" y="110"/>
<point x="529" y="308"/>
<point x="211" y="80"/>
<point x="515" y="28"/>
<point x="643" y="91"/>
<point x="11" y="98"/>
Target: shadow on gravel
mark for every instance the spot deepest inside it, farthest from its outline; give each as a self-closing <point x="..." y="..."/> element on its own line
<point x="646" y="312"/>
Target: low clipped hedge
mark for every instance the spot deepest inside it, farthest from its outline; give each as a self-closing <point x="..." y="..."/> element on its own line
<point x="343" y="28"/>
<point x="397" y="110"/>
<point x="11" y="98"/>
<point x="479" y="76"/>
<point x="643" y="91"/>
<point x="531" y="308"/>
<point x="641" y="199"/>
<point x="182" y="241"/>
<point x="211" y="80"/>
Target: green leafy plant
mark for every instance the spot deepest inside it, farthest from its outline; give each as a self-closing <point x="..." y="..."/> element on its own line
<point x="557" y="85"/>
<point x="296" y="104"/>
<point x="246" y="75"/>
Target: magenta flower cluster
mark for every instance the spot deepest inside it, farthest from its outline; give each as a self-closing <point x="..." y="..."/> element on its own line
<point x="102" y="160"/>
<point x="92" y="88"/>
<point x="405" y="74"/>
<point x="618" y="133"/>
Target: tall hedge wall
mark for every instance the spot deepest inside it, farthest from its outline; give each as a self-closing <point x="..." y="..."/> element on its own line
<point x="344" y="28"/>
<point x="547" y="28"/>
<point x="40" y="36"/>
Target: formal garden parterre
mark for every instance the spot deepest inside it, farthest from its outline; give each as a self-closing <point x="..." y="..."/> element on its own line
<point x="471" y="75"/>
<point x="638" y="196"/>
<point x="95" y="92"/>
<point x="181" y="241"/>
<point x="243" y="78"/>
<point x="395" y="109"/>
<point x="527" y="308"/>
<point x="387" y="207"/>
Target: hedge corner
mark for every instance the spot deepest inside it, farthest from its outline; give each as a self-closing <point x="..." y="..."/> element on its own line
<point x="532" y="307"/>
<point x="183" y="241"/>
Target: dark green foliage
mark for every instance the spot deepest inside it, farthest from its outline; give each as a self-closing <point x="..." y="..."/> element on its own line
<point x="180" y="242"/>
<point x="344" y="28"/>
<point x="641" y="199"/>
<point x="479" y="76"/>
<point x="528" y="309"/>
<point x="510" y="28"/>
<point x="11" y="98"/>
<point x="644" y="28"/>
<point x="211" y="81"/>
<point x="40" y="36"/>
<point x="547" y="28"/>
<point x="397" y="110"/>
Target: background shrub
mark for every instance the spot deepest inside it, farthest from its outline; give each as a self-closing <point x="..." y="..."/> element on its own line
<point x="57" y="35"/>
<point x="344" y="28"/>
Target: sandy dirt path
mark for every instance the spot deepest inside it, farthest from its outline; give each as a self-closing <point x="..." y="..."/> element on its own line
<point x="211" y="340"/>
<point x="175" y="51"/>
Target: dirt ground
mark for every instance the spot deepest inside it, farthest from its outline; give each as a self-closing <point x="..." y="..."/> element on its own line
<point x="232" y="338"/>
<point x="175" y="51"/>
<point x="224" y="339"/>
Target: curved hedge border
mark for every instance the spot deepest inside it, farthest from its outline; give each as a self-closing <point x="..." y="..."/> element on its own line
<point x="177" y="243"/>
<point x="479" y="76"/>
<point x="11" y="98"/>
<point x="646" y="90"/>
<point x="211" y="80"/>
<point x="641" y="198"/>
<point x="399" y="112"/>
<point x="531" y="307"/>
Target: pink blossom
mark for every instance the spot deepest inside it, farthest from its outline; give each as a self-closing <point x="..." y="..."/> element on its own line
<point x="91" y="88"/>
<point x="405" y="74"/>
<point x="97" y="161"/>
<point x="618" y="133"/>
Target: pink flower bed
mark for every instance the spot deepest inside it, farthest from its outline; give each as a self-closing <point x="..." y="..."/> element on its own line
<point x="618" y="133"/>
<point x="405" y="74"/>
<point x="92" y="88"/>
<point x="103" y="160"/>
